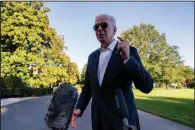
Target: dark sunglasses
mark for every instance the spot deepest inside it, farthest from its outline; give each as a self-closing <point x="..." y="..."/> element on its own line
<point x="104" y="25"/>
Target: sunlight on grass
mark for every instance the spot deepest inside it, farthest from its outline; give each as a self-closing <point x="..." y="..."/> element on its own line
<point x="181" y="93"/>
<point x="173" y="104"/>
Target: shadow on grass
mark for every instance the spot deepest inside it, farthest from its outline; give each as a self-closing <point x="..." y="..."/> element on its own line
<point x="177" y="109"/>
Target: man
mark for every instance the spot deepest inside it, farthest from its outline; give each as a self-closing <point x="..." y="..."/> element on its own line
<point x="114" y="65"/>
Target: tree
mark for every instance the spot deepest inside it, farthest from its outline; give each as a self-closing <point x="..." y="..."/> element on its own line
<point x="158" y="57"/>
<point x="73" y="73"/>
<point x="83" y="73"/>
<point x="31" y="50"/>
<point x="188" y="73"/>
<point x="20" y="28"/>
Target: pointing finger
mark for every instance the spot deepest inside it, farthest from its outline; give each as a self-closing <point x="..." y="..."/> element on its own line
<point x="122" y="40"/>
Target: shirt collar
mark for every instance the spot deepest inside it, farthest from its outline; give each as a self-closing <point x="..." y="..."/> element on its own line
<point x="110" y="47"/>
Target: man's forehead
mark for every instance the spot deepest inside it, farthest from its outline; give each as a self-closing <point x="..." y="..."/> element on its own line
<point x="102" y="19"/>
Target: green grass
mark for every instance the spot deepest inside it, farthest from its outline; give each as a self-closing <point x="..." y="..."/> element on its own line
<point x="173" y="104"/>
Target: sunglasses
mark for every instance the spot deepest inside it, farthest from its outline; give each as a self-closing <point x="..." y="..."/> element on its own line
<point x="104" y="25"/>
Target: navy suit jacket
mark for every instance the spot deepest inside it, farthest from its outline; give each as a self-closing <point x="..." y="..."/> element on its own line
<point x="117" y="75"/>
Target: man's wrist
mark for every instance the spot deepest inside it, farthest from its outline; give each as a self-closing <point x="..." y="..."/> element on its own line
<point x="125" y="61"/>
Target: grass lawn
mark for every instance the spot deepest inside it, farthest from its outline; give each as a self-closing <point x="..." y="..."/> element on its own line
<point x="173" y="104"/>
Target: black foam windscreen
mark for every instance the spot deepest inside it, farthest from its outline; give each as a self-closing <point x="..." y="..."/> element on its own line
<point x="121" y="104"/>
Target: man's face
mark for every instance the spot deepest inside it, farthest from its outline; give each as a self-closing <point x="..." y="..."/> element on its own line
<point x="104" y="29"/>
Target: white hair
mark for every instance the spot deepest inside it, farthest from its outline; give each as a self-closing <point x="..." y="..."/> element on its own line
<point x="111" y="18"/>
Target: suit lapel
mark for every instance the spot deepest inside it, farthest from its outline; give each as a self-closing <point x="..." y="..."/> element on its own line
<point x="95" y="65"/>
<point x="113" y="67"/>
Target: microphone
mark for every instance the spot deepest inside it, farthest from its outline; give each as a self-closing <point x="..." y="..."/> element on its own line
<point x="122" y="109"/>
<point x="61" y="106"/>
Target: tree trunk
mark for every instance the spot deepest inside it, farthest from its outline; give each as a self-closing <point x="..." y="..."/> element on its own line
<point x="166" y="85"/>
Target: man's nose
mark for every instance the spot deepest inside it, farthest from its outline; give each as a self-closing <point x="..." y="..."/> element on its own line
<point x="100" y="28"/>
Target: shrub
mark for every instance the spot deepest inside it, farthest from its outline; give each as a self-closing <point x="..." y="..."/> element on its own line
<point x="190" y="83"/>
<point x="54" y="89"/>
<point x="13" y="82"/>
<point x="179" y="85"/>
<point x="23" y="92"/>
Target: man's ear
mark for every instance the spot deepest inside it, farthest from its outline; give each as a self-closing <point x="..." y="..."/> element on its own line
<point x="115" y="29"/>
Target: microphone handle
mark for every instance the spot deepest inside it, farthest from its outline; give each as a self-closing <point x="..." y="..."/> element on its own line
<point x="125" y="123"/>
<point x="127" y="126"/>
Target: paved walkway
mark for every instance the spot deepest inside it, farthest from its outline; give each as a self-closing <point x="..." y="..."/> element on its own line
<point x="8" y="101"/>
<point x="29" y="113"/>
<point x="152" y="122"/>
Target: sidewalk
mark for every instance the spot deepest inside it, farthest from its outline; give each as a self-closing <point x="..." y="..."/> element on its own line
<point x="147" y="121"/>
<point x="8" y="101"/>
<point x="154" y="122"/>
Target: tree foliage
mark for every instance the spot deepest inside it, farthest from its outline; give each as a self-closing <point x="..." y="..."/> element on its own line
<point x="83" y="73"/>
<point x="31" y="49"/>
<point x="161" y="60"/>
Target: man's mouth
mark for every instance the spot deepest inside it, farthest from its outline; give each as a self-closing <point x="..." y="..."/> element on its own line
<point x="101" y="35"/>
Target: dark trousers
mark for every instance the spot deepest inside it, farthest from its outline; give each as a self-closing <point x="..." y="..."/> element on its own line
<point x="104" y="124"/>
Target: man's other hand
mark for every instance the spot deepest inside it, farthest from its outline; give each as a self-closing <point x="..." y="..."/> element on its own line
<point x="74" y="117"/>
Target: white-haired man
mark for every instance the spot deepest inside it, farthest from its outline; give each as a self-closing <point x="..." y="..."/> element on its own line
<point x="114" y="65"/>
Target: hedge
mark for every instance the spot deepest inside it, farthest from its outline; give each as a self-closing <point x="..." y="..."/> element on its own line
<point x="23" y="92"/>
